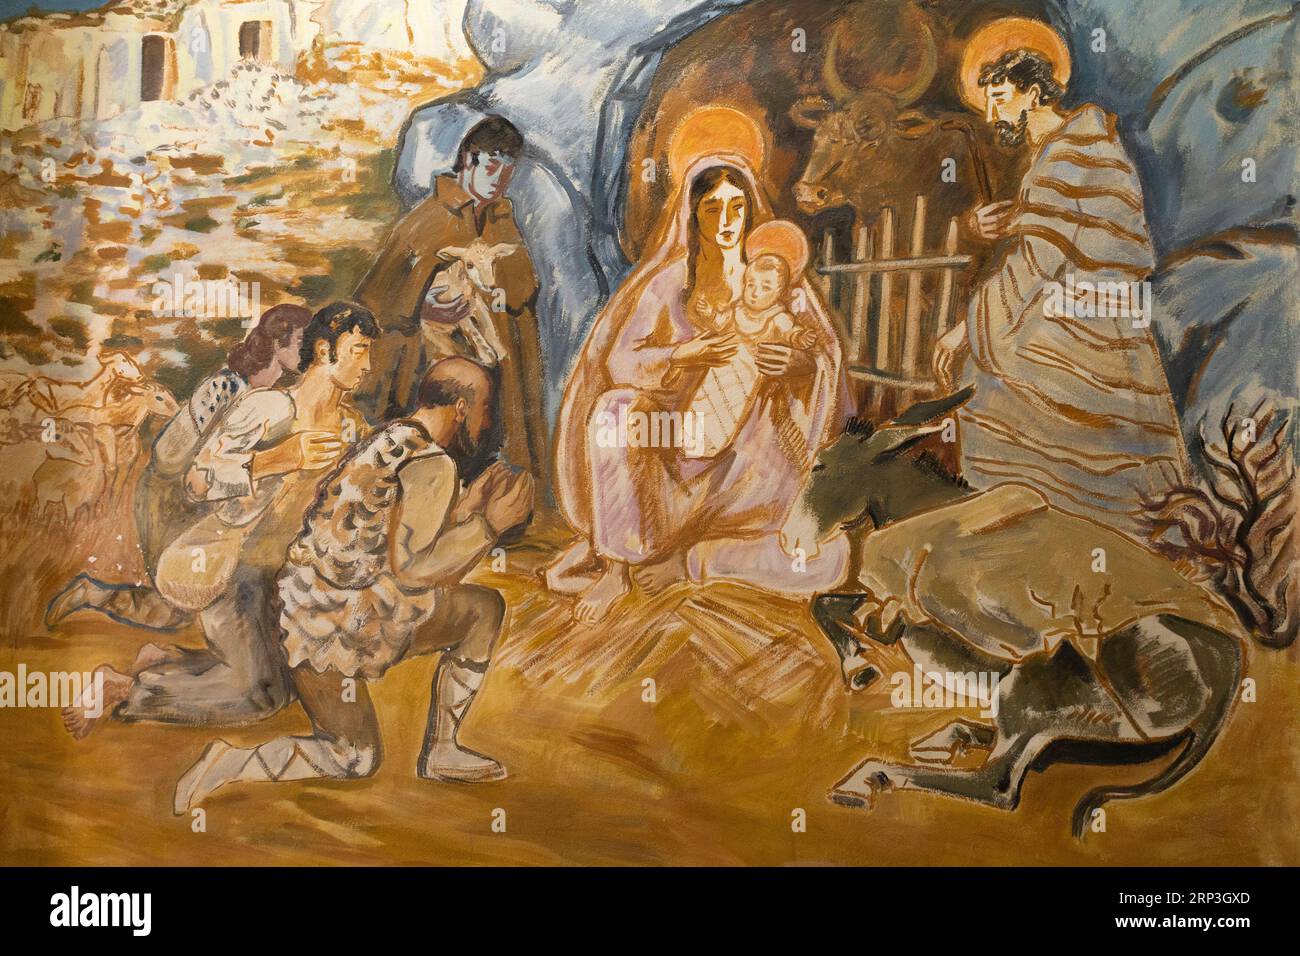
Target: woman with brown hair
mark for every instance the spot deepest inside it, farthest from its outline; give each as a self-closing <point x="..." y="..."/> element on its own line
<point x="162" y="508"/>
<point x="645" y="510"/>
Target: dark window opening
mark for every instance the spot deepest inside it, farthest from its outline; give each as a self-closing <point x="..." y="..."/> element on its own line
<point x="255" y="40"/>
<point x="153" y="67"/>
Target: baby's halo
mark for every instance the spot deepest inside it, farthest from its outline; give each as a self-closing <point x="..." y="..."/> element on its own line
<point x="782" y="238"/>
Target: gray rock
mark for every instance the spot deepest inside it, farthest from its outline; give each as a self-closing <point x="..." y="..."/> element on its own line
<point x="1208" y="85"/>
<point x="572" y="76"/>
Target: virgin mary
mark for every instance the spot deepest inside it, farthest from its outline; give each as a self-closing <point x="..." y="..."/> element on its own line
<point x="646" y="510"/>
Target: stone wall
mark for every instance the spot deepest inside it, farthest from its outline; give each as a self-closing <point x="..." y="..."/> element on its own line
<point x="90" y="66"/>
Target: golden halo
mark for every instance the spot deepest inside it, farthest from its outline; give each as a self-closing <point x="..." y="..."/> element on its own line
<point x="715" y="129"/>
<point x="1001" y="36"/>
<point x="782" y="238"/>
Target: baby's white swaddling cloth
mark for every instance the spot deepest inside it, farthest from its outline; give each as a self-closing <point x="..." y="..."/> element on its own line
<point x="721" y="403"/>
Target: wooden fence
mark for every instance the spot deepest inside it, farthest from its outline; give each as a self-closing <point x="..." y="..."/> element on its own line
<point x="889" y="359"/>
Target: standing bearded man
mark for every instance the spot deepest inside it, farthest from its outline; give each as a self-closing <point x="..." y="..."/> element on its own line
<point x="1070" y="393"/>
<point x="419" y="319"/>
<point x="373" y="579"/>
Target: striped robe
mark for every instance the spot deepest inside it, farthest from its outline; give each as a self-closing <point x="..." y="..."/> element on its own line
<point x="1071" y="400"/>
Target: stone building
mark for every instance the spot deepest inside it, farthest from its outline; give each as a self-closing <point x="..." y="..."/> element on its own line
<point x="97" y="64"/>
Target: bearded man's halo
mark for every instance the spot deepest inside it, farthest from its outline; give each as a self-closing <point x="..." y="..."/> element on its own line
<point x="1002" y="36"/>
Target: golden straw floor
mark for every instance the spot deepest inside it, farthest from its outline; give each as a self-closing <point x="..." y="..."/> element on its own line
<point x="748" y="723"/>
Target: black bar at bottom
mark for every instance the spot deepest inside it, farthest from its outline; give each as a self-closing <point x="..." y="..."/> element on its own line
<point x="612" y="908"/>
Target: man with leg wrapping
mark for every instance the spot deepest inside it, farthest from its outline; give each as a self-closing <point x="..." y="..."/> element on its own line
<point x="375" y="579"/>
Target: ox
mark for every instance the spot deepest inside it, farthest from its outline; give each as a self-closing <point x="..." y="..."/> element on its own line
<point x="871" y="148"/>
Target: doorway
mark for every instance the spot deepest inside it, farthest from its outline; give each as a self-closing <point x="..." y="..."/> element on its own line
<point x="155" y="68"/>
<point x="255" y="40"/>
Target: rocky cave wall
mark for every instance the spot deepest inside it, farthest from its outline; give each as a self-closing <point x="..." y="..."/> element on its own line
<point x="1199" y="87"/>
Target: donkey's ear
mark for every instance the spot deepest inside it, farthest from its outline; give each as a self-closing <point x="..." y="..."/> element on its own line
<point x="923" y="412"/>
<point x="894" y="440"/>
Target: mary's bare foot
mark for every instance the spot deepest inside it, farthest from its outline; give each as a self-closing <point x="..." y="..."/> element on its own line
<point x="574" y="571"/>
<point x="82" y="719"/>
<point x="601" y="596"/>
<point x="659" y="576"/>
<point x="82" y="592"/>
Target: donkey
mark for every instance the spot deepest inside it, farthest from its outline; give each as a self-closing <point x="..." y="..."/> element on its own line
<point x="1159" y="683"/>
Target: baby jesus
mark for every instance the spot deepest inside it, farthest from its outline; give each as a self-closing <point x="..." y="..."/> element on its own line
<point x="762" y="316"/>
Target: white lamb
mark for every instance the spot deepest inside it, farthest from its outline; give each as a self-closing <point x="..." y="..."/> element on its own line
<point x="472" y="276"/>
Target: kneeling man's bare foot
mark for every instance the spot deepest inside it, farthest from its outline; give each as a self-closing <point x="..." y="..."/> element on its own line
<point x="149" y="655"/>
<point x="574" y="570"/>
<point x="597" y="600"/>
<point x="660" y="575"/>
<point x="450" y="762"/>
<point x="81" y="719"/>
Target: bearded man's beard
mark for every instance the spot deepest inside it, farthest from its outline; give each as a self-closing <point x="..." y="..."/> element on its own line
<point x="1013" y="134"/>
<point x="473" y="457"/>
<point x="463" y="446"/>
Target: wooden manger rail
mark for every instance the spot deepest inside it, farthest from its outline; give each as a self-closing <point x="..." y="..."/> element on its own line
<point x="898" y="363"/>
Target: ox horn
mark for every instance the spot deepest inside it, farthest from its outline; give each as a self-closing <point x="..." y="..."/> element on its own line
<point x="808" y="111"/>
<point x="924" y="76"/>
<point x="839" y="91"/>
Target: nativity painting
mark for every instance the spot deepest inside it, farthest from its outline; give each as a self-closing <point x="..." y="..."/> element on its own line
<point x="648" y="432"/>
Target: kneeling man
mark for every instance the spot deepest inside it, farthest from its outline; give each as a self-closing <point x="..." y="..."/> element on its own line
<point x="374" y="579"/>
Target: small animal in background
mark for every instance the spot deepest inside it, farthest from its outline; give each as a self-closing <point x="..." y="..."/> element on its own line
<point x="117" y="428"/>
<point x="472" y="276"/>
<point x="31" y="398"/>
<point x="93" y="450"/>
